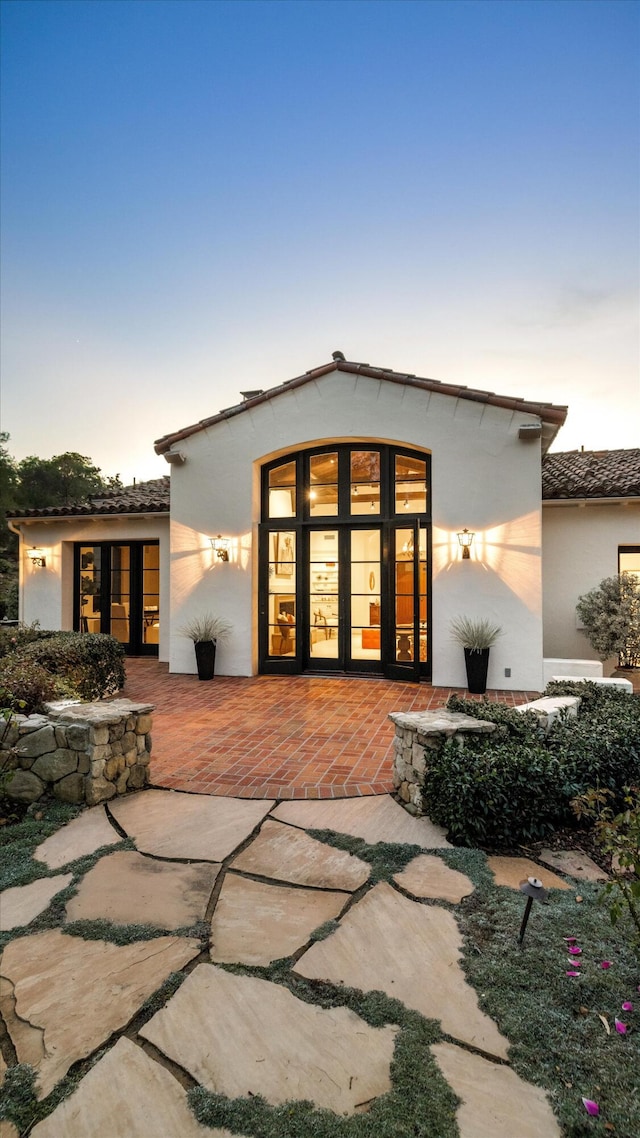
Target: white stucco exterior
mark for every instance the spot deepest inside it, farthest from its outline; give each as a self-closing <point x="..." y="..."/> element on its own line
<point x="46" y="594"/>
<point x="580" y="543"/>
<point x="483" y="477"/>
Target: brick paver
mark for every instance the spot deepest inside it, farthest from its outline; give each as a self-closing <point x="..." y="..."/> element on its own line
<point x="277" y="736"/>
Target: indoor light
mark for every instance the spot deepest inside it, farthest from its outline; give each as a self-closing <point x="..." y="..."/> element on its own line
<point x="220" y="546"/>
<point x="465" y="537"/>
<point x="36" y="556"/>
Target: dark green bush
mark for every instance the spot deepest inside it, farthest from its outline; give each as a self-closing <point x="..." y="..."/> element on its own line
<point x="494" y="793"/>
<point x="25" y="685"/>
<point x="91" y="662"/>
<point x="14" y="639"/>
<point x="517" y="784"/>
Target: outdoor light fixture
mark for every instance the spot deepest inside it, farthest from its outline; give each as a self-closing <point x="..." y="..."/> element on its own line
<point x="465" y="537"/>
<point x="220" y="546"/>
<point x="533" y="890"/>
<point x="36" y="556"/>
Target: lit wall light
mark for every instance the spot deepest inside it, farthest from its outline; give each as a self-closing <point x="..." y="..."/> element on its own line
<point x="220" y="546"/>
<point x="465" y="537"/>
<point x="36" y="556"/>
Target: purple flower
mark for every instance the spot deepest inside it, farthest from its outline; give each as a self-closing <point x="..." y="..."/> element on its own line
<point x="627" y="1006"/>
<point x="590" y="1106"/>
<point x="574" y="950"/>
<point x="570" y="939"/>
<point x="620" y="1027"/>
<point x="573" y="973"/>
<point x="606" y="964"/>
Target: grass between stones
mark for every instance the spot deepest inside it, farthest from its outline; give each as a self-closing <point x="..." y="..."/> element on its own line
<point x="558" y="1040"/>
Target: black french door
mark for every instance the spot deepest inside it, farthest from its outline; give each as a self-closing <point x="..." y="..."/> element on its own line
<point x="117" y="591"/>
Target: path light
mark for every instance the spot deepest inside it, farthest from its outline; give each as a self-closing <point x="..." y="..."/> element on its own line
<point x="533" y="890"/>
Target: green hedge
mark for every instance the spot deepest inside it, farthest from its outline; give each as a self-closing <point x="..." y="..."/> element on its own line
<point x="91" y="662"/>
<point x="516" y="785"/>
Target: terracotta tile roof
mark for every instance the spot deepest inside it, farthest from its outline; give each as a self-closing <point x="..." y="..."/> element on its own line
<point x="550" y="413"/>
<point x="150" y="497"/>
<point x="591" y="474"/>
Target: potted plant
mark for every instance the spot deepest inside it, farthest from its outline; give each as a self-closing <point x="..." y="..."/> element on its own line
<point x="476" y="637"/>
<point x="207" y="632"/>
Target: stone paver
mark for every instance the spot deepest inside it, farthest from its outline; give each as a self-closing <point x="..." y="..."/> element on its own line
<point x="411" y="952"/>
<point x="171" y="824"/>
<point x="255" y="923"/>
<point x="574" y="863"/>
<point x="128" y="888"/>
<point x="287" y="854"/>
<point x="511" y="871"/>
<point x="61" y="996"/>
<point x="83" y="835"/>
<point x="429" y="876"/>
<point x="7" y="1129"/>
<point x="19" y="905"/>
<point x="126" y="1095"/>
<point x="496" y="1103"/>
<point x="377" y="819"/>
<point x="238" y="1035"/>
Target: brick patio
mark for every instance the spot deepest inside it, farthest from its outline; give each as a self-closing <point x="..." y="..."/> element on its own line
<point x="277" y="736"/>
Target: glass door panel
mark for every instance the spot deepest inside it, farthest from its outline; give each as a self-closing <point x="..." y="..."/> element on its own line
<point x="90" y="588"/>
<point x="282" y="593"/>
<point x="423" y="596"/>
<point x="324" y="586"/>
<point x="120" y="593"/>
<point x="405" y="658"/>
<point x="365" y="595"/>
<point x="149" y="627"/>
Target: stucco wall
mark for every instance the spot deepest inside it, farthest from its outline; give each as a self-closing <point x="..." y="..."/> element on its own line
<point x="580" y="548"/>
<point x="483" y="477"/>
<point x="46" y="594"/>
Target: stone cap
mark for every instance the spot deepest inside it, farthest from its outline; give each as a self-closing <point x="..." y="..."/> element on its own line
<point x="441" y="722"/>
<point x="100" y="714"/>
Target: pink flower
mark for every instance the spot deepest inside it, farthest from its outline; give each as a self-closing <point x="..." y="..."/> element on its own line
<point x="627" y="1006"/>
<point x="574" y="950"/>
<point x="606" y="964"/>
<point x="573" y="973"/>
<point x="590" y="1106"/>
<point x="620" y="1027"/>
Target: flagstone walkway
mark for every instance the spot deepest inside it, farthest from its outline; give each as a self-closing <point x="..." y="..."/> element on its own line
<point x="278" y="736"/>
<point x="223" y="881"/>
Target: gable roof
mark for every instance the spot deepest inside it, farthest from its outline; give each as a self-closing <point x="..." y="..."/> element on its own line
<point x="549" y="413"/>
<point x="151" y="497"/>
<point x="591" y="474"/>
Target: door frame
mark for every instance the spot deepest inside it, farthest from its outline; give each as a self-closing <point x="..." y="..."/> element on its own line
<point x="135" y="646"/>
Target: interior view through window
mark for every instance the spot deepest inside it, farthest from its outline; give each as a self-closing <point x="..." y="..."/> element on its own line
<point x="344" y="559"/>
<point x="117" y="591"/>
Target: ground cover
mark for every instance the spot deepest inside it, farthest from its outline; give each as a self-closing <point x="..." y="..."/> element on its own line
<point x="561" y="1028"/>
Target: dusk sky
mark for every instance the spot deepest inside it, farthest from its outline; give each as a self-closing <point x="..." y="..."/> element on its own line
<point x="204" y="197"/>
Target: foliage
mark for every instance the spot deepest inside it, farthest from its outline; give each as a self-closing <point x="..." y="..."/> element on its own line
<point x="26" y="686"/>
<point x="13" y="639"/>
<point x="516" y="784"/>
<point x="60" y="480"/>
<point x="92" y="663"/>
<point x="207" y="627"/>
<point x="611" y="618"/>
<point x="474" y="634"/>
<point x="619" y="837"/>
<point x="494" y="793"/>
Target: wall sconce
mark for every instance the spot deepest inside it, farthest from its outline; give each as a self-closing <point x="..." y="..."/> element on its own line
<point x="220" y="546"/>
<point x="36" y="556"/>
<point x="465" y="537"/>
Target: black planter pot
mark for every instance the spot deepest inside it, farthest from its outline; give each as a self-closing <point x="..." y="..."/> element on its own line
<point x="477" y="662"/>
<point x="205" y="658"/>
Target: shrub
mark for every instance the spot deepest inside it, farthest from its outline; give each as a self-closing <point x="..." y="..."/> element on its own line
<point x="511" y="723"/>
<point x="16" y="638"/>
<point x="26" y="686"/>
<point x="611" y="618"/>
<point x="601" y="748"/>
<point x="91" y="662"/>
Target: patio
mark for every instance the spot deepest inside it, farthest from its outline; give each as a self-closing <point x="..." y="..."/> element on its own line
<point x="277" y="737"/>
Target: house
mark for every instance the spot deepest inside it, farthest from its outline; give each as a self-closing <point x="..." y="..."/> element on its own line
<point x="340" y="521"/>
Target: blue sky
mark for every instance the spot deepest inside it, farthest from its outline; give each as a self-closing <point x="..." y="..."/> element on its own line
<point x="203" y="197"/>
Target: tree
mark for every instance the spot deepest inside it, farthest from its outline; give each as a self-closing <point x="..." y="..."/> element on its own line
<point x="60" y="480"/>
<point x="611" y="618"/>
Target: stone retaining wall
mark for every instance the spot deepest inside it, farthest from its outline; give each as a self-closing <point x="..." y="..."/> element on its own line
<point x="420" y="730"/>
<point x="84" y="752"/>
